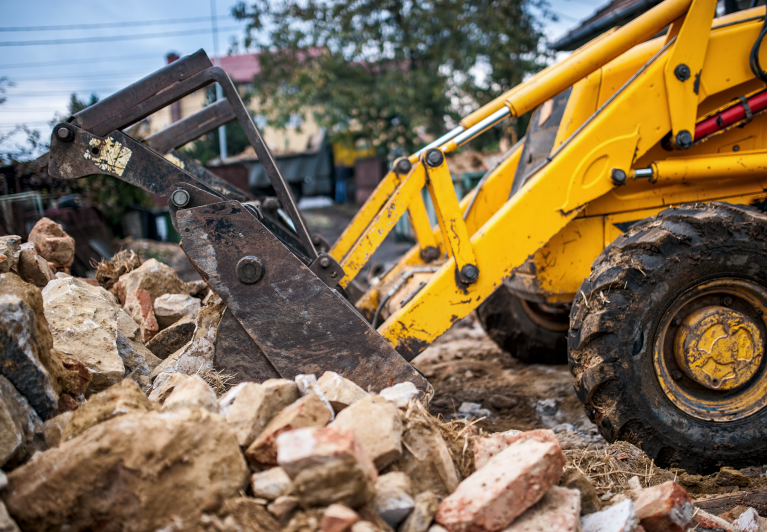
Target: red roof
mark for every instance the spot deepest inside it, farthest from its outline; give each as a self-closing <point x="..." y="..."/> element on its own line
<point x="241" y="68"/>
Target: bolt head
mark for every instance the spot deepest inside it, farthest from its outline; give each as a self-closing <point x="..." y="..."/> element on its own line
<point x="618" y="176"/>
<point x="434" y="158"/>
<point x="63" y="133"/>
<point x="676" y="375"/>
<point x="250" y="270"/>
<point x="727" y="301"/>
<point x="429" y="254"/>
<point x="682" y="72"/>
<point x="684" y="139"/>
<point x="324" y="262"/>
<point x="180" y="198"/>
<point x="469" y="273"/>
<point x="402" y="166"/>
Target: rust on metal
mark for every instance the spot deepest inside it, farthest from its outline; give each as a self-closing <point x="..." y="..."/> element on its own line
<point x="298" y="322"/>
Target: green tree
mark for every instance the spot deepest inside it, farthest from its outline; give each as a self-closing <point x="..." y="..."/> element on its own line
<point x="389" y="69"/>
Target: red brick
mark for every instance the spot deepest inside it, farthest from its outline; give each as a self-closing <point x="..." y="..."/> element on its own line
<point x="338" y="518"/>
<point x="664" y="508"/>
<point x="512" y="481"/>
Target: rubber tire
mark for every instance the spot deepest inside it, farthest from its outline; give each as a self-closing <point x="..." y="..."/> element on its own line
<point x="611" y="343"/>
<point x="509" y="326"/>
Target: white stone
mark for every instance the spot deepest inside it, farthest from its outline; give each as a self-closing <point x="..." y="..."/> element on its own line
<point x="308" y="384"/>
<point x="341" y="392"/>
<point x="617" y="518"/>
<point x="378" y="426"/>
<point x="393" y="501"/>
<point x="558" y="511"/>
<point x="170" y="308"/>
<point x="193" y="392"/>
<point x="270" y="484"/>
<point x="400" y="394"/>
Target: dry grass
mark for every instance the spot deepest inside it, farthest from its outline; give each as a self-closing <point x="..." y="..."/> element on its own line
<point x="216" y="379"/>
<point x="610" y="468"/>
<point x="108" y="272"/>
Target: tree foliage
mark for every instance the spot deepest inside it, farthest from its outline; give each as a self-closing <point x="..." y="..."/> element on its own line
<point x="389" y="70"/>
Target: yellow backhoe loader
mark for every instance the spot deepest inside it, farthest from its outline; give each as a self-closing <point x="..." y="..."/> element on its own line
<point x="628" y="225"/>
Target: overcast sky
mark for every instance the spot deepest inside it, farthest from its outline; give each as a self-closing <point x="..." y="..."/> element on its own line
<point x="48" y="67"/>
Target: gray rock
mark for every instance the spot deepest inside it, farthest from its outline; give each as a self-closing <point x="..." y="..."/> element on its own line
<point x="21" y="429"/>
<point x="170" y="308"/>
<point x="10" y="247"/>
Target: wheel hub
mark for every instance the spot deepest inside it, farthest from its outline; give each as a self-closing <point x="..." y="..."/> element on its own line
<point x="718" y="347"/>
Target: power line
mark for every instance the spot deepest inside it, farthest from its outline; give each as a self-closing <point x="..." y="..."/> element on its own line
<point x="79" y="61"/>
<point x="108" y="75"/>
<point x="110" y="24"/>
<point x="115" y="37"/>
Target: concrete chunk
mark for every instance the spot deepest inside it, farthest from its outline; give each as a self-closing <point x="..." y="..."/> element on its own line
<point x="193" y="392"/>
<point x="21" y="429"/>
<point x="170" y="340"/>
<point x="282" y="506"/>
<point x="7" y="524"/>
<point x="664" y="508"/>
<point x="558" y="511"/>
<point x="54" y="428"/>
<point x="617" y="518"/>
<point x="10" y="249"/>
<point x="170" y="308"/>
<point x="400" y="394"/>
<point x="378" y="426"/>
<point x="270" y="484"/>
<point x="52" y="243"/>
<point x="34" y="269"/>
<point x="515" y="479"/>
<point x="749" y="521"/>
<point x="393" y="501"/>
<point x="426" y="459"/>
<point x="422" y="515"/>
<point x="327" y="465"/>
<point x="139" y="307"/>
<point x="248" y="407"/>
<point x="341" y="392"/>
<point x="487" y="448"/>
<point x="309" y="411"/>
<point x="164" y="385"/>
<point x="308" y="384"/>
<point x="338" y="518"/>
<point x="155" y="277"/>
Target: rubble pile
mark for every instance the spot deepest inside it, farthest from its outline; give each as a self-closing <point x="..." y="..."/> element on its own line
<point x="112" y="417"/>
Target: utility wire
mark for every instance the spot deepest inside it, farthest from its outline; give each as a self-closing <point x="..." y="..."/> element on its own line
<point x="116" y="37"/>
<point x="79" y="61"/>
<point x="111" y="24"/>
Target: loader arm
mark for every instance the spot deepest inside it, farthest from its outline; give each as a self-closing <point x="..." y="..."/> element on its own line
<point x="285" y="315"/>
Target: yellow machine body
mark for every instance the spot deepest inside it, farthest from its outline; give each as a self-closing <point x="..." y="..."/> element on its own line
<point x="625" y="98"/>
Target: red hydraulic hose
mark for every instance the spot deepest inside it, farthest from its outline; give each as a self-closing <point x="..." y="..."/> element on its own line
<point x="733" y="115"/>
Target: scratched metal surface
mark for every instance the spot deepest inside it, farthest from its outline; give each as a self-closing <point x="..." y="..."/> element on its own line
<point x="300" y="324"/>
<point x="237" y="355"/>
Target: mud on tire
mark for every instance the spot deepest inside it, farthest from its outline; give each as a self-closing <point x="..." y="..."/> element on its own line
<point x="616" y="316"/>
<point x="508" y="323"/>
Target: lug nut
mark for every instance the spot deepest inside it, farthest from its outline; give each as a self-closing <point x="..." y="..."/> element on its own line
<point x="683" y="139"/>
<point x="726" y="301"/>
<point x="180" y="198"/>
<point x="618" y="176"/>
<point x="469" y="273"/>
<point x="434" y="158"/>
<point x="676" y="375"/>
<point x="250" y="270"/>
<point x="677" y="321"/>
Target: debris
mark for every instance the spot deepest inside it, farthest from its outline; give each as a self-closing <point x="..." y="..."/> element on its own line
<point x="52" y="243"/>
<point x="34" y="269"/>
<point x="248" y="407"/>
<point x="338" y="518"/>
<point x="393" y="500"/>
<point x="558" y="511"/>
<point x="108" y="272"/>
<point x="486" y="448"/>
<point x="327" y="465"/>
<point x="124" y="398"/>
<point x="617" y="518"/>
<point x="400" y="394"/>
<point x="309" y="411"/>
<point x="139" y="307"/>
<point x="21" y="430"/>
<point x="170" y="308"/>
<point x="245" y="513"/>
<point x="378" y="426"/>
<point x="219" y="380"/>
<point x="340" y="391"/>
<point x="728" y="476"/>
<point x="191" y="393"/>
<point x="664" y="508"/>
<point x="198" y="289"/>
<point x="54" y="428"/>
<point x="308" y="384"/>
<point x="703" y="521"/>
<point x="426" y="458"/>
<point x="155" y="277"/>
<point x="282" y="506"/>
<point x="270" y="484"/>
<point x="425" y="508"/>
<point x="574" y="479"/>
<point x="10" y="248"/>
<point x="512" y="481"/>
<point x="164" y="385"/>
<point x="76" y="377"/>
<point x="87" y="322"/>
<point x="141" y="469"/>
<point x="749" y="521"/>
<point x="7" y="524"/>
<point x="171" y="339"/>
<point x="25" y="345"/>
